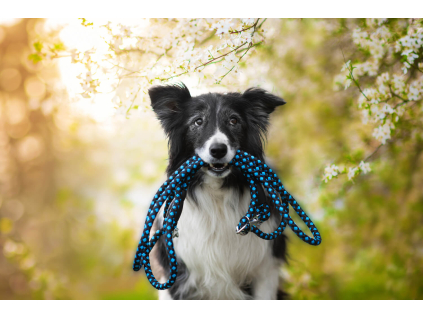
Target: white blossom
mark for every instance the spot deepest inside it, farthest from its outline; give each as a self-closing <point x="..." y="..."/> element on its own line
<point x="249" y="21"/>
<point x="383" y="132"/>
<point x="346" y="66"/>
<point x="352" y="172"/>
<point x="364" y="167"/>
<point x="74" y="55"/>
<point x="330" y="171"/>
<point x="222" y="27"/>
<point x="389" y="91"/>
<point x="231" y="60"/>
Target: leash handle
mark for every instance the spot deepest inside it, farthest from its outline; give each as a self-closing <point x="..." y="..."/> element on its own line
<point x="173" y="193"/>
<point x="257" y="172"/>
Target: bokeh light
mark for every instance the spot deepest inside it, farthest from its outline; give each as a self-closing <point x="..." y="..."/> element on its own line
<point x="76" y="179"/>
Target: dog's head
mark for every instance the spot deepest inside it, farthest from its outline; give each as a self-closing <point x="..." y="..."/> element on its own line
<point x="212" y="125"/>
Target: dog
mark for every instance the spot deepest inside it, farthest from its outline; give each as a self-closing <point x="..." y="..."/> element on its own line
<point x="213" y="261"/>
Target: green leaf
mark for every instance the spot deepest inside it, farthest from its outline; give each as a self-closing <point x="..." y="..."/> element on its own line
<point x="59" y="47"/>
<point x="35" y="58"/>
<point x="85" y="23"/>
<point x="38" y="46"/>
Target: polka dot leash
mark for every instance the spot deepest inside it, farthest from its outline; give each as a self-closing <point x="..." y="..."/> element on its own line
<point x="173" y="192"/>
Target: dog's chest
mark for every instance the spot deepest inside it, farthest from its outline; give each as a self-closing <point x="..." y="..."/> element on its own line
<point x="213" y="253"/>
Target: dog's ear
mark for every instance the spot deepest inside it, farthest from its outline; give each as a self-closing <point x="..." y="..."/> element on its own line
<point x="167" y="101"/>
<point x="262" y="100"/>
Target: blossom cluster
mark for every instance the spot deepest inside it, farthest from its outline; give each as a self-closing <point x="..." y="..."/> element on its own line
<point x="155" y="51"/>
<point x="389" y="77"/>
<point x="332" y="171"/>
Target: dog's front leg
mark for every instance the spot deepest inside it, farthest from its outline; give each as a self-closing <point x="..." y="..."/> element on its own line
<point x="266" y="280"/>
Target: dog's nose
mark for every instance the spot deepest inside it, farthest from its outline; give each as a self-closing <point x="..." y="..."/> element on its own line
<point x="218" y="150"/>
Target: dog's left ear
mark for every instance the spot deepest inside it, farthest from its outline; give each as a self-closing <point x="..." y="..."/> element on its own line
<point x="262" y="100"/>
<point x="167" y="101"/>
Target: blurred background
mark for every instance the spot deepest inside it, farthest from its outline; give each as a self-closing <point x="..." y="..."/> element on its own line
<point x="75" y="182"/>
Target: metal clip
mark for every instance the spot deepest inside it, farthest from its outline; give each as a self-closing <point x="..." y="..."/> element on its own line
<point x="256" y="221"/>
<point x="240" y="231"/>
<point x="175" y="233"/>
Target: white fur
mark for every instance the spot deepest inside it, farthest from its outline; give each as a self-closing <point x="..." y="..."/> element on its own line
<point x="218" y="260"/>
<point x="218" y="137"/>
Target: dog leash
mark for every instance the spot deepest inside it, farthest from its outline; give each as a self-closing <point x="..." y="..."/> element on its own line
<point x="173" y="192"/>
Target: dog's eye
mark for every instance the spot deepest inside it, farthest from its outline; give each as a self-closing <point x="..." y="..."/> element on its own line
<point x="198" y="122"/>
<point x="233" y="121"/>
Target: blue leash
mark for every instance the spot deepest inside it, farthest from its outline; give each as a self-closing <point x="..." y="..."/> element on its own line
<point x="173" y="192"/>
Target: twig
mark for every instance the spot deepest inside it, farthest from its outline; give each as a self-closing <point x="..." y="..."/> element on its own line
<point x="373" y="153"/>
<point x="205" y="64"/>
<point x="133" y="100"/>
<point x="253" y="26"/>
<point x="247" y="49"/>
<point x="211" y="61"/>
<point x="225" y="75"/>
<point x="395" y="95"/>
<point x="350" y="69"/>
<point x="415" y="67"/>
<point x="262" y="22"/>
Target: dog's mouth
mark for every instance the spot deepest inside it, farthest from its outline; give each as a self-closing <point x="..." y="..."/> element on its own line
<point x="218" y="167"/>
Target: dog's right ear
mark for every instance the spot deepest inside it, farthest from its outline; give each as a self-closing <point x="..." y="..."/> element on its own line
<point x="263" y="101"/>
<point x="167" y="101"/>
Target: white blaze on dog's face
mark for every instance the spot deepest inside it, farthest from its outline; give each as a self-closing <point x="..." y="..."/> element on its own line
<point x="216" y="129"/>
<point x="213" y="126"/>
<point x="218" y="152"/>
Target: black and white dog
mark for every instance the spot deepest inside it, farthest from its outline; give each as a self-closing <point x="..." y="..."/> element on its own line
<point x="215" y="262"/>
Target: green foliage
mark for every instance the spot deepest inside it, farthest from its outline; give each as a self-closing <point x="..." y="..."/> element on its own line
<point x="76" y="240"/>
<point x="35" y="58"/>
<point x="370" y="227"/>
<point x="38" y="46"/>
<point x="84" y="22"/>
<point x="58" y="47"/>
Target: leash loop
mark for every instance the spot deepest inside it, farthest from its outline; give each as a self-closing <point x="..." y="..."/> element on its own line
<point x="173" y="193"/>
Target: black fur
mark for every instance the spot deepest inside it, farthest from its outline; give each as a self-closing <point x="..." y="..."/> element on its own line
<point x="177" y="112"/>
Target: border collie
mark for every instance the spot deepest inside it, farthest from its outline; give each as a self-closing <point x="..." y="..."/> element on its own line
<point x="213" y="261"/>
